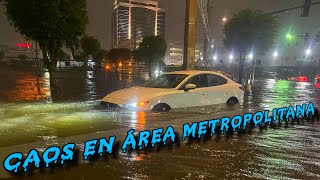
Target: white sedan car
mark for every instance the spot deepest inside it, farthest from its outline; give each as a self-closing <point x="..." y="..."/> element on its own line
<point x="179" y="89"/>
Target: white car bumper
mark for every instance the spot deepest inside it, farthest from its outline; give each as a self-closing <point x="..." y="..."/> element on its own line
<point x="124" y="104"/>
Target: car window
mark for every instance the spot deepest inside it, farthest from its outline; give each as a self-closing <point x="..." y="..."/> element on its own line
<point x="166" y="81"/>
<point x="215" y="80"/>
<point x="199" y="80"/>
<point x="206" y="80"/>
<point x="223" y="81"/>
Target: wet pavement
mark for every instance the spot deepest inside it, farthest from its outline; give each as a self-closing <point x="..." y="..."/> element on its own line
<point x="284" y="153"/>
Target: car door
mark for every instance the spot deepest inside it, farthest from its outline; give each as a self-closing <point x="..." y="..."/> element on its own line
<point x="192" y="98"/>
<point x="217" y="91"/>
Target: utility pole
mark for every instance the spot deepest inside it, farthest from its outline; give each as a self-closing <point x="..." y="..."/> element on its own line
<point x="190" y="35"/>
<point x="206" y="39"/>
<point x="205" y="51"/>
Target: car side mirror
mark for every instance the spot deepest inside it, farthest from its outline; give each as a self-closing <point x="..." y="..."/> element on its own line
<point x="190" y="87"/>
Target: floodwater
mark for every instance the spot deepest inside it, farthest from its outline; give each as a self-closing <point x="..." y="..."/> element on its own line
<point x="284" y="153"/>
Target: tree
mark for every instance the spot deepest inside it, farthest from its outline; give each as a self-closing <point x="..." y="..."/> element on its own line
<point x="81" y="57"/>
<point x="1" y="55"/>
<point x="22" y="57"/>
<point x="152" y="51"/>
<point x="138" y="58"/>
<point x="62" y="56"/>
<point x="73" y="45"/>
<point x="100" y="56"/>
<point x="89" y="45"/>
<point x="118" y="55"/>
<point x="50" y="23"/>
<point x="250" y="31"/>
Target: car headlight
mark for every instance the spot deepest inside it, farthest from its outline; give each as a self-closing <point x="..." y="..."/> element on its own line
<point x="139" y="104"/>
<point x="142" y="103"/>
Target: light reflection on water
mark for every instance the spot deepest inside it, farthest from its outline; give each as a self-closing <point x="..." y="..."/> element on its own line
<point x="43" y="121"/>
<point x="25" y="88"/>
<point x="275" y="94"/>
<point x="90" y="86"/>
<point x="138" y="121"/>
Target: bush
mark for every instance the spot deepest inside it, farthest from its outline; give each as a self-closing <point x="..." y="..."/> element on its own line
<point x="22" y="57"/>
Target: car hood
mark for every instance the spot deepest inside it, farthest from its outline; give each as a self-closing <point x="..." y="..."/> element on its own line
<point x="135" y="93"/>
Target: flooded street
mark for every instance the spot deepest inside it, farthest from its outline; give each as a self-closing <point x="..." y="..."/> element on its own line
<point x="284" y="153"/>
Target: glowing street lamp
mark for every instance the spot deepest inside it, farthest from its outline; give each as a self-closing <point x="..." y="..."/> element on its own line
<point x="231" y="56"/>
<point x="215" y="57"/>
<point x="251" y="56"/>
<point x="224" y="19"/>
<point x="275" y="54"/>
<point x="308" y="52"/>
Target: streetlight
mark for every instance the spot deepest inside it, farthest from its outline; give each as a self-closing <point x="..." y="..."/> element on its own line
<point x="215" y="57"/>
<point x="275" y="54"/>
<point x="251" y="56"/>
<point x="224" y="19"/>
<point x="308" y="52"/>
<point x="231" y="56"/>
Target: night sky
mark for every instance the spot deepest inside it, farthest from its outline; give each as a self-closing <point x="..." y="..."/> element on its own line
<point x="100" y="18"/>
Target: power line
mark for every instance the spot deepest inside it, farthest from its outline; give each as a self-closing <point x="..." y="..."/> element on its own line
<point x="292" y="8"/>
<point x="204" y="6"/>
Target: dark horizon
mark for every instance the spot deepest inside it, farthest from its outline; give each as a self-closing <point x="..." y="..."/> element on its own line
<point x="99" y="13"/>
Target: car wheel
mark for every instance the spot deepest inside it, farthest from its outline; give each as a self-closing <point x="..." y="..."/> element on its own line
<point x="161" y="108"/>
<point x="232" y="101"/>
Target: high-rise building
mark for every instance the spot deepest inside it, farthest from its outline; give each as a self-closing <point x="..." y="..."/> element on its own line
<point x="174" y="55"/>
<point x="135" y="19"/>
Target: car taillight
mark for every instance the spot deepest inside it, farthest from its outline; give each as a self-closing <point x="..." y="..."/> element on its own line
<point x="318" y="85"/>
<point x="302" y="79"/>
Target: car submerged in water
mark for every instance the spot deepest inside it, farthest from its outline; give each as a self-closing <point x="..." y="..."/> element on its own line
<point x="180" y="89"/>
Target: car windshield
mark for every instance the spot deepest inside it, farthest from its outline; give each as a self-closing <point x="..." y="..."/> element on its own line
<point x="166" y="81"/>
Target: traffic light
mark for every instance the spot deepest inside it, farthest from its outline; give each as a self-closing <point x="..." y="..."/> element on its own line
<point x="306" y="8"/>
<point x="289" y="36"/>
